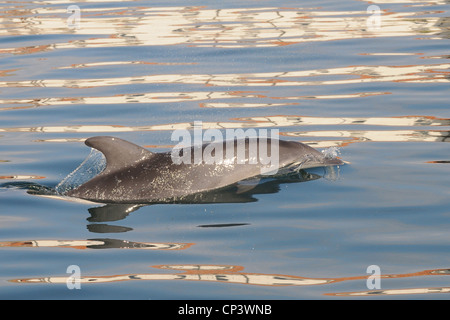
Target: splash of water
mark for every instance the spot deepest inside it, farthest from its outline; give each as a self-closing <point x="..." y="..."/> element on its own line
<point x="94" y="164"/>
<point x="331" y="152"/>
<point x="331" y="173"/>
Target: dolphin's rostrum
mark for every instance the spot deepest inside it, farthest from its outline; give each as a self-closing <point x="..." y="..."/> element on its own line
<point x="135" y="175"/>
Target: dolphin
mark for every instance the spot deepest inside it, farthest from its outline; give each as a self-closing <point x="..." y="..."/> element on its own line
<point x="136" y="175"/>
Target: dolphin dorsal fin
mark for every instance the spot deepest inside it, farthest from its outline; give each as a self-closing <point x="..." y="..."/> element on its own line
<point x="119" y="153"/>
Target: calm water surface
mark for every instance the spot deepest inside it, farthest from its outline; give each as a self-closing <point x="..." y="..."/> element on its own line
<point x="330" y="73"/>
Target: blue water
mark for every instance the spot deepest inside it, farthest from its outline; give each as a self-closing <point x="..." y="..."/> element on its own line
<point x="315" y="71"/>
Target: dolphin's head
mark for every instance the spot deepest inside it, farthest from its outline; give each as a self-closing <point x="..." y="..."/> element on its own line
<point x="304" y="156"/>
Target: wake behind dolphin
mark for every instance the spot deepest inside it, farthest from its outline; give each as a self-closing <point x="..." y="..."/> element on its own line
<point x="133" y="174"/>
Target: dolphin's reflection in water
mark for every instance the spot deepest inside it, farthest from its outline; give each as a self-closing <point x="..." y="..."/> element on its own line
<point x="237" y="193"/>
<point x="242" y="192"/>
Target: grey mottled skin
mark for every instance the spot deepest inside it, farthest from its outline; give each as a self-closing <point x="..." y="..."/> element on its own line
<point x="135" y="175"/>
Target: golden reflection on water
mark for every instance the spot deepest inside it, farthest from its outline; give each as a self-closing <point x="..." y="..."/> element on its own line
<point x="410" y="2"/>
<point x="360" y="74"/>
<point x="201" y="27"/>
<point x="350" y="136"/>
<point x="118" y="63"/>
<point x="249" y="122"/>
<point x="147" y="98"/>
<point x="379" y="136"/>
<point x="407" y="291"/>
<point x="235" y="274"/>
<point x="214" y="273"/>
<point x="20" y="177"/>
<point x="96" y="244"/>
